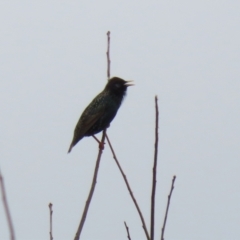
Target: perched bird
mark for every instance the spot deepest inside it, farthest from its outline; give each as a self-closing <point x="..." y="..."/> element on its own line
<point x="101" y="111"/>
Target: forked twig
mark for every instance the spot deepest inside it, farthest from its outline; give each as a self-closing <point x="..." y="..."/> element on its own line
<point x="94" y="181"/>
<point x="127" y="229"/>
<point x="50" y="213"/>
<point x="168" y="204"/>
<point x="129" y="189"/>
<point x="6" y="208"/>
<point x="154" y="179"/>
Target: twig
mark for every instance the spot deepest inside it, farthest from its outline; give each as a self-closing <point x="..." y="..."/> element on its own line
<point x="154" y="180"/>
<point x="101" y="147"/>
<point x="129" y="189"/>
<point x="108" y="54"/>
<point x="94" y="181"/>
<point x="127" y="229"/>
<point x="168" y="203"/>
<point x="6" y="208"/>
<point x="50" y="213"/>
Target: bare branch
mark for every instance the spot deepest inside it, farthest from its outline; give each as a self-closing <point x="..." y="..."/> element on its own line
<point x="108" y="54"/>
<point x="127" y="229"/>
<point x="129" y="189"/>
<point x="94" y="181"/>
<point x="50" y="213"/>
<point x="154" y="179"/>
<point x="101" y="147"/>
<point x="168" y="204"/>
<point x="6" y="208"/>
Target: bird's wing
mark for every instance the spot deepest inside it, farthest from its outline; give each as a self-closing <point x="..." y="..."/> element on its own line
<point x="83" y="126"/>
<point x="87" y="123"/>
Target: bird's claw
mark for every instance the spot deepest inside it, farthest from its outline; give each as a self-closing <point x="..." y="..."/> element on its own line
<point x="101" y="145"/>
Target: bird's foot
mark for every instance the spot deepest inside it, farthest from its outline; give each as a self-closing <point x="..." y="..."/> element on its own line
<point x="101" y="145"/>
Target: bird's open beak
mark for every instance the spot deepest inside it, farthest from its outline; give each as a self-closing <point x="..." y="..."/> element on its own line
<point x="129" y="83"/>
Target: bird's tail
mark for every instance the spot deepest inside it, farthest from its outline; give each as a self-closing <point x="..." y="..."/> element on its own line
<point x="74" y="142"/>
<point x="70" y="148"/>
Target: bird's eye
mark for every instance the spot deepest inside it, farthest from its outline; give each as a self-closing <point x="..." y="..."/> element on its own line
<point x="117" y="85"/>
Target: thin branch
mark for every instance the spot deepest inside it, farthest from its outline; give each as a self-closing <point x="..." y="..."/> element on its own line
<point x="154" y="178"/>
<point x="127" y="229"/>
<point x="6" y="208"/>
<point x="50" y="213"/>
<point x="108" y="54"/>
<point x="168" y="204"/>
<point x="129" y="189"/>
<point x="94" y="181"/>
<point x="101" y="147"/>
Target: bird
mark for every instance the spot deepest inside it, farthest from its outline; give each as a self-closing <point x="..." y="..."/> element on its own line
<point x="101" y="111"/>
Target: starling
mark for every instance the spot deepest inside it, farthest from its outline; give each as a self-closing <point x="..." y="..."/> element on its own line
<point x="101" y="111"/>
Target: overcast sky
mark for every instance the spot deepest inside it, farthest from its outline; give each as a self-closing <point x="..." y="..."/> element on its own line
<point x="53" y="63"/>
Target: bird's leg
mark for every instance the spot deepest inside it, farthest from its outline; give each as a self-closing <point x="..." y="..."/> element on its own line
<point x="96" y="139"/>
<point x="101" y="145"/>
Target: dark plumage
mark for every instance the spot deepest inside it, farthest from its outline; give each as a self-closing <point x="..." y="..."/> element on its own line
<point x="101" y="111"/>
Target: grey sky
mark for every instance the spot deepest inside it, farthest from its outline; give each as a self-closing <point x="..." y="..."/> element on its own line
<point x="53" y="63"/>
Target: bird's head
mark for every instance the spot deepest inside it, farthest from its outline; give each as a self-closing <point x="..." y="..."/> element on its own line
<point x="118" y="86"/>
